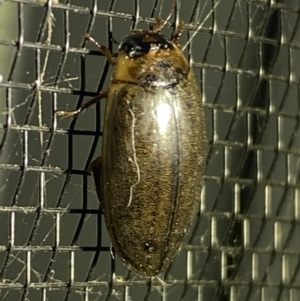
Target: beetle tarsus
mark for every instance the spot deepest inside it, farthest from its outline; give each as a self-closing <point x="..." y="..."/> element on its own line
<point x="69" y="113"/>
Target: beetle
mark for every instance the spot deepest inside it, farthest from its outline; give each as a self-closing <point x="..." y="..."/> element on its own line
<point x="150" y="175"/>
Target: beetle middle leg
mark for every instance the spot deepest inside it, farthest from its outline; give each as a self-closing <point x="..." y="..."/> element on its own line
<point x="85" y="106"/>
<point x="94" y="100"/>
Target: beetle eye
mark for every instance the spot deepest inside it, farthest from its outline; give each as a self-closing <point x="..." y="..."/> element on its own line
<point x="134" y="47"/>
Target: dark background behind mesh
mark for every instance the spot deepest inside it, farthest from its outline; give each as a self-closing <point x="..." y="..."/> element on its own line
<point x="244" y="244"/>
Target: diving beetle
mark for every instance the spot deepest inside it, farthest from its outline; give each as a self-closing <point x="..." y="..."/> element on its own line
<point x="150" y="175"/>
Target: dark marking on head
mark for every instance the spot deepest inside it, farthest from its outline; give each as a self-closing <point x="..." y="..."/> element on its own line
<point x="148" y="80"/>
<point x="180" y="72"/>
<point x="139" y="43"/>
<point x="165" y="64"/>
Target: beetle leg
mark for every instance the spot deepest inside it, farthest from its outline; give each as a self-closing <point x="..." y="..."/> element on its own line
<point x="115" y="41"/>
<point x="85" y="106"/>
<point x="176" y="35"/>
<point x="96" y="168"/>
<point x="103" y="48"/>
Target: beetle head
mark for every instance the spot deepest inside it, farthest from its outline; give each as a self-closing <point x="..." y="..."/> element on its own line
<point x="139" y="43"/>
<point x="149" y="58"/>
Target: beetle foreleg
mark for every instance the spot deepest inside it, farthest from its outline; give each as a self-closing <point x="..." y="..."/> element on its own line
<point x="103" y="48"/>
<point x="176" y="35"/>
<point x="115" y="41"/>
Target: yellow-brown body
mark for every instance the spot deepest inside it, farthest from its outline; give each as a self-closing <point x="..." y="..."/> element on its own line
<point x="150" y="176"/>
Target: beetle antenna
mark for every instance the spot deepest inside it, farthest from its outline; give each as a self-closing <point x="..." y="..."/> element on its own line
<point x="200" y="25"/>
<point x="161" y="24"/>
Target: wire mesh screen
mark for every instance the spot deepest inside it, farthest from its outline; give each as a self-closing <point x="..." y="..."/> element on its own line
<point x="244" y="243"/>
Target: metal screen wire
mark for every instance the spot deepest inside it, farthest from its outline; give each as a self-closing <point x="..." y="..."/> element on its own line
<point x="245" y="241"/>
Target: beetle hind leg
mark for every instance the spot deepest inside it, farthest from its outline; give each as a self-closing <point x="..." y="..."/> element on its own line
<point x="96" y="169"/>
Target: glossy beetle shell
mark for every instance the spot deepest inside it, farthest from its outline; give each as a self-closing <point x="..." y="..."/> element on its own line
<point x="153" y="153"/>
